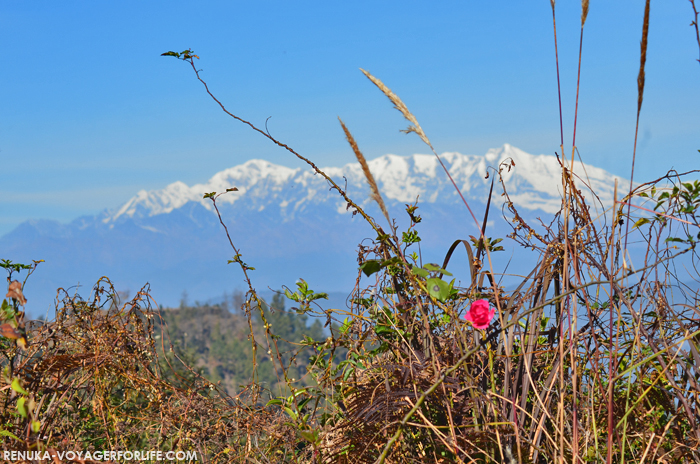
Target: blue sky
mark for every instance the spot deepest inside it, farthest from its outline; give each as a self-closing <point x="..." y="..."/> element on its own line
<point x="91" y="113"/>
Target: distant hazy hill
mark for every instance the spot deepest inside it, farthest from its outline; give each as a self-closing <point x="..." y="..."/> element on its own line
<point x="285" y="221"/>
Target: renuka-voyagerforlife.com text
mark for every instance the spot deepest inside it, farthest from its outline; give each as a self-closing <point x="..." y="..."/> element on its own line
<point x="100" y="455"/>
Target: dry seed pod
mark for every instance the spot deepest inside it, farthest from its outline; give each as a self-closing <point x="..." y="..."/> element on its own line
<point x="7" y="331"/>
<point x="15" y="291"/>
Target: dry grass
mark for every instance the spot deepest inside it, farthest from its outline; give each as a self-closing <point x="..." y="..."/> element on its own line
<point x="399" y="105"/>
<point x="94" y="380"/>
<point x="375" y="195"/>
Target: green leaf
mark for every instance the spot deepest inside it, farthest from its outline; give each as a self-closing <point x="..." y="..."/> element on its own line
<point x="275" y="401"/>
<point x="383" y="237"/>
<point x="348" y="372"/>
<point x="419" y="271"/>
<point x="370" y="266"/>
<point x="303" y="403"/>
<point x="435" y="268"/>
<point x="673" y="239"/>
<point x="641" y="222"/>
<point x="383" y="330"/>
<point x="390" y="261"/>
<point x="309" y="435"/>
<point x="292" y="296"/>
<point x="175" y="54"/>
<point x="347" y="323"/>
<point x="15" y="267"/>
<point x="290" y="412"/>
<point x="209" y="195"/>
<point x="17" y="387"/>
<point x="410" y="237"/>
<point x="8" y="312"/>
<point x="5" y="433"/>
<point x="438" y="288"/>
<point x="318" y="296"/>
<point x="36" y="426"/>
<point x="21" y="408"/>
<point x="379" y="350"/>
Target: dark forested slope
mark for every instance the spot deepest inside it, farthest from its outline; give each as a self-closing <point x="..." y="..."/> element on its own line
<point x="215" y="340"/>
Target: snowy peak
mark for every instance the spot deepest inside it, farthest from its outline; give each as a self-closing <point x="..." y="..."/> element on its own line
<point x="151" y="203"/>
<point x="251" y="174"/>
<point x="533" y="182"/>
<point x="535" y="178"/>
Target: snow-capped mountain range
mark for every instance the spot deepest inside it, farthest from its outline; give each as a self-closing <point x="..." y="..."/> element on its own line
<point x="533" y="184"/>
<point x="287" y="223"/>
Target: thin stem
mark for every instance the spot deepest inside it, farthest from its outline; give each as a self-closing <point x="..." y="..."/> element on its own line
<point x="566" y="251"/>
<point x="578" y="86"/>
<point x="288" y="148"/>
<point x="640" y="98"/>
<point x="610" y="361"/>
<point x="556" y="55"/>
<point x="695" y="23"/>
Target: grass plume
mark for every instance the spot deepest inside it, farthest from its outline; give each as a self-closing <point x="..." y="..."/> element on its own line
<point x="640" y="98"/>
<point x="376" y="196"/>
<point x="399" y="105"/>
<point x="643" y="59"/>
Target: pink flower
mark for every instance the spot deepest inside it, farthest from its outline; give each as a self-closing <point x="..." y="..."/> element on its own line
<point x="479" y="314"/>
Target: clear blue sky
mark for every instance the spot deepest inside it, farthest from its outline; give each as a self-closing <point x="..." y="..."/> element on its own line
<point x="90" y="112"/>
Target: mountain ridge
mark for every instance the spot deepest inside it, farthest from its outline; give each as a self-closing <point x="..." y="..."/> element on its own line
<point x="401" y="179"/>
<point x="285" y="221"/>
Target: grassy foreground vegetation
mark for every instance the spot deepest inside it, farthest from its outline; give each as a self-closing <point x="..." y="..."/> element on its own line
<point x="592" y="357"/>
